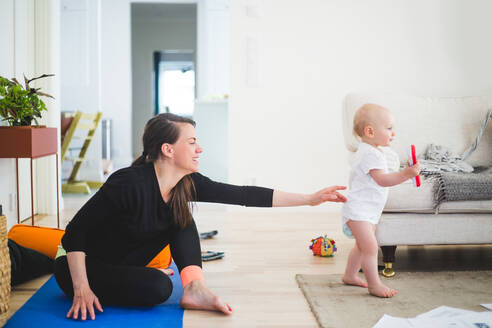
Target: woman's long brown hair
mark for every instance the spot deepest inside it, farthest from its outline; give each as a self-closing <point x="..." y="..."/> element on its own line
<point x="160" y="129"/>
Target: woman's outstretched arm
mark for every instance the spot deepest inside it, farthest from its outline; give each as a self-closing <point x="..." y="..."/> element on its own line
<point x="217" y="192"/>
<point x="330" y="194"/>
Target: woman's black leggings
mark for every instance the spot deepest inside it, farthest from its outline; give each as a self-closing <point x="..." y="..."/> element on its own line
<point x="130" y="283"/>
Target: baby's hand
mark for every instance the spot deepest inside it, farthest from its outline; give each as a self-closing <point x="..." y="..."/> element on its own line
<point x="411" y="171"/>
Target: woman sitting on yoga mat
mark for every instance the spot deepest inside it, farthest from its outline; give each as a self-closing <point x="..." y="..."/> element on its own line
<point x="143" y="208"/>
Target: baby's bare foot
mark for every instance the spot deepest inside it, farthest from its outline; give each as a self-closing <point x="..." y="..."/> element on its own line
<point x="382" y="291"/>
<point x="355" y="281"/>
<point x="197" y="296"/>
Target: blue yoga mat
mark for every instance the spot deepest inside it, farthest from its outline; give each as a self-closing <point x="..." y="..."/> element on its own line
<point x="48" y="307"/>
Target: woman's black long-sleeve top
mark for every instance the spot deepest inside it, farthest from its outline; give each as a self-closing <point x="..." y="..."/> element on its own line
<point x="128" y="212"/>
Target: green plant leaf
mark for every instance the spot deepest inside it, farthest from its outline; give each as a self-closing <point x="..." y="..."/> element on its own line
<point x="19" y="105"/>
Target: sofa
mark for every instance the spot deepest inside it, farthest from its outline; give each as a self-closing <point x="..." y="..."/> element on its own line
<point x="410" y="216"/>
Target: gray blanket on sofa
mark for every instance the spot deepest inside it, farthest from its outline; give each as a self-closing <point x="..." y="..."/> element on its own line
<point x="457" y="180"/>
<point x="454" y="186"/>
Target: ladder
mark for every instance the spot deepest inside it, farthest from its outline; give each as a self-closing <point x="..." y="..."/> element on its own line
<point x="80" y="122"/>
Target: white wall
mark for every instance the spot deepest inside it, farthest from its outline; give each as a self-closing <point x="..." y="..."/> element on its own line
<point x="116" y="93"/>
<point x="212" y="131"/>
<point x="149" y="36"/>
<point x="292" y="62"/>
<point x="7" y="166"/>
<point x="47" y="60"/>
<point x="80" y="76"/>
<point x="213" y="50"/>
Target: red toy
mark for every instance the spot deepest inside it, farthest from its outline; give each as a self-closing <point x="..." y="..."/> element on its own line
<point x="412" y="159"/>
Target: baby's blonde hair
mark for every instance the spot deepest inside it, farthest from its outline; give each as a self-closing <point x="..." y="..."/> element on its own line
<point x="364" y="117"/>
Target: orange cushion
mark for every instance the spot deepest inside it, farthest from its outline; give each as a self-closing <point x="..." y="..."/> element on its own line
<point x="41" y="239"/>
<point x="46" y="240"/>
<point x="162" y="260"/>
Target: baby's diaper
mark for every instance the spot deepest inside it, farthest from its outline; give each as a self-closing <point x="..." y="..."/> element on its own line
<point x="347" y="231"/>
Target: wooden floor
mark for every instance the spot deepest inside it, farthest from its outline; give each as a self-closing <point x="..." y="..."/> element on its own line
<point x="265" y="249"/>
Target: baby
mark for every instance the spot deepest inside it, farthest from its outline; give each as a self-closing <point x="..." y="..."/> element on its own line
<point x="369" y="182"/>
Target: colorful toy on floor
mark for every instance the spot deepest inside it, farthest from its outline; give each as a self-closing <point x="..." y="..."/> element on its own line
<point x="323" y="246"/>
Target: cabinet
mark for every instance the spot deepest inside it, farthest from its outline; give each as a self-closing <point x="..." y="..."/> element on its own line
<point x="30" y="142"/>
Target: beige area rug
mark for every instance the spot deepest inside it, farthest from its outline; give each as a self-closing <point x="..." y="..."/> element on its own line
<point x="337" y="305"/>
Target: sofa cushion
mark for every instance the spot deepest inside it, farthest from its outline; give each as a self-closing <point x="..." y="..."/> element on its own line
<point x="471" y="206"/>
<point x="409" y="199"/>
<point x="418" y="229"/>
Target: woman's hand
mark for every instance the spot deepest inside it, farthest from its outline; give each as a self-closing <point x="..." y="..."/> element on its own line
<point x="84" y="301"/>
<point x="329" y="194"/>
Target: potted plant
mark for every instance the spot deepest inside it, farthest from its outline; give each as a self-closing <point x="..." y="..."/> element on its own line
<point x="19" y="105"/>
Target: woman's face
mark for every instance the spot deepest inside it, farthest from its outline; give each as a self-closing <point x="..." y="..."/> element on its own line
<point x="186" y="149"/>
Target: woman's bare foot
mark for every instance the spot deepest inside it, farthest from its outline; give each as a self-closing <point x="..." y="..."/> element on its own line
<point x="382" y="291"/>
<point x="169" y="272"/>
<point x="355" y="281"/>
<point x="197" y="296"/>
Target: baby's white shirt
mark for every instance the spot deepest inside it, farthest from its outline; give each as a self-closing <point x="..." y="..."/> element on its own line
<point x="366" y="199"/>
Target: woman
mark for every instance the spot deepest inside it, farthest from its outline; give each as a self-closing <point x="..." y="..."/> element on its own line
<point x="140" y="210"/>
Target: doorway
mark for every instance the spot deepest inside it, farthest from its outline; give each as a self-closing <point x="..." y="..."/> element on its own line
<point x="174" y="82"/>
<point x="164" y="48"/>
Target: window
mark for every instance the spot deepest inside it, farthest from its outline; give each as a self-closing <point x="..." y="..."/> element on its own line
<point x="174" y="82"/>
